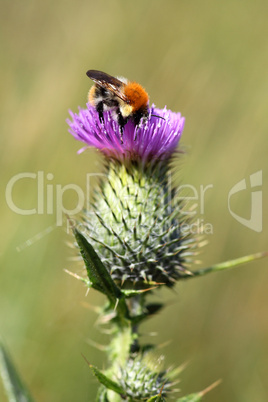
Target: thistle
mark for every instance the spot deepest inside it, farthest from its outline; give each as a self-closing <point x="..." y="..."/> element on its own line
<point x="133" y="232"/>
<point x="135" y="221"/>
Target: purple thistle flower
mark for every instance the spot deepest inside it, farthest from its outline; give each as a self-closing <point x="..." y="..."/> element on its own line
<point x="156" y="138"/>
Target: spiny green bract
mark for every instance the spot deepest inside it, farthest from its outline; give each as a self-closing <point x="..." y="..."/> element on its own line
<point x="135" y="225"/>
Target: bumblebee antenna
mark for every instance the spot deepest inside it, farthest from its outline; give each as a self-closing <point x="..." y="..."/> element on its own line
<point x="155" y="115"/>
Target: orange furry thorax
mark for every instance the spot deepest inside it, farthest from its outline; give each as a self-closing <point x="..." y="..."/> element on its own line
<point x="137" y="96"/>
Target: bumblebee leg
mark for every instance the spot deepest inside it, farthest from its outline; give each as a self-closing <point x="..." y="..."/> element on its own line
<point x="99" y="109"/>
<point x="137" y="121"/>
<point x="121" y="122"/>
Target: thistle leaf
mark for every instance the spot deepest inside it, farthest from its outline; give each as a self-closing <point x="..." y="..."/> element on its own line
<point x="97" y="273"/>
<point x="15" y="389"/>
<point x="104" y="380"/>
<point x="225" y="265"/>
<point x="197" y="396"/>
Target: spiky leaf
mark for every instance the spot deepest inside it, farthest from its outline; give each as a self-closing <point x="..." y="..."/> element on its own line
<point x="106" y="381"/>
<point x="226" y="265"/>
<point x="98" y="275"/>
<point x="15" y="389"/>
<point x="197" y="396"/>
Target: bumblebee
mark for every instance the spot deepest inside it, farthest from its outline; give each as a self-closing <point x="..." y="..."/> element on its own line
<point x="128" y="100"/>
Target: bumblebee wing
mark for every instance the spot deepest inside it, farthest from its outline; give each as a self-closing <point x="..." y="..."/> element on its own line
<point x="108" y="82"/>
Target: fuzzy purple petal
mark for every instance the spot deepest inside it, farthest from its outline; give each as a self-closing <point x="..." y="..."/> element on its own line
<point x="156" y="138"/>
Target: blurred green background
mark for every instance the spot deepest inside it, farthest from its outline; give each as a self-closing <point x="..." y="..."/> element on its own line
<point x="206" y="59"/>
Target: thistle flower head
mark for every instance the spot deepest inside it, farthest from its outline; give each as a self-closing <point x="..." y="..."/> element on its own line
<point x="140" y="379"/>
<point x="156" y="138"/>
